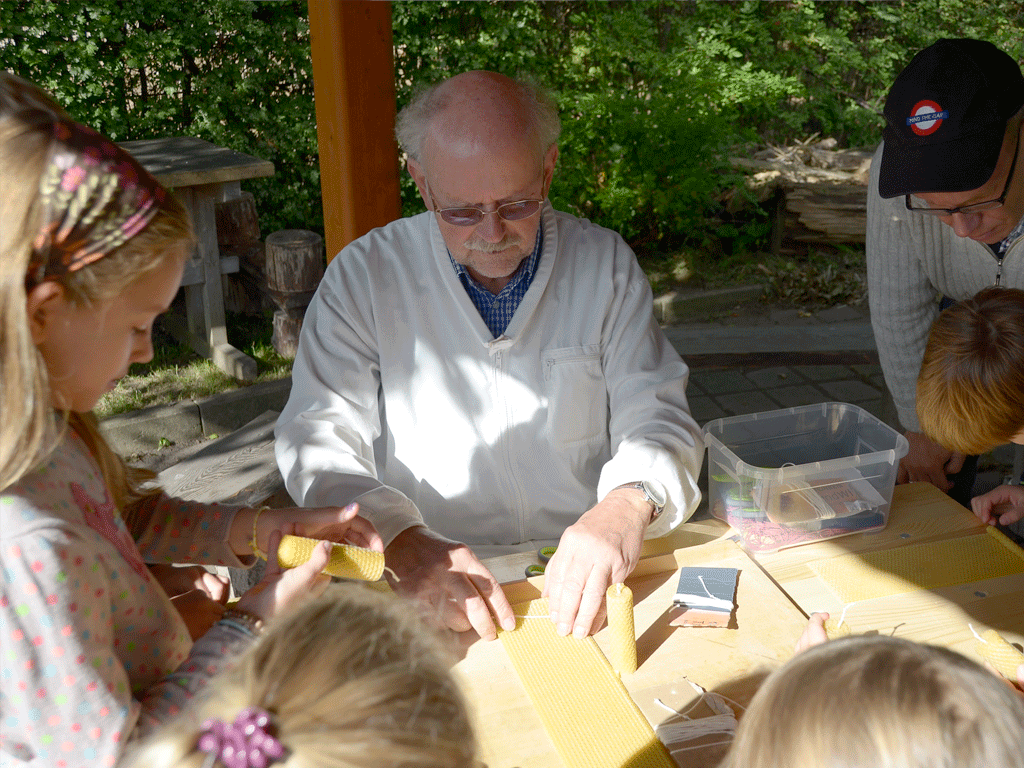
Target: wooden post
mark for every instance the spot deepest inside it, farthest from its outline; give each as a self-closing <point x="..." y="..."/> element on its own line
<point x="354" y="89"/>
<point x="294" y="266"/>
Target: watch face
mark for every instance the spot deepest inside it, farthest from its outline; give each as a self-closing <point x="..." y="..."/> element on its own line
<point x="655" y="493"/>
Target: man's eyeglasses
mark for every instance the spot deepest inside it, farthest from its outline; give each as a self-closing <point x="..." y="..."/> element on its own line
<point x="470" y="216"/>
<point x="986" y="205"/>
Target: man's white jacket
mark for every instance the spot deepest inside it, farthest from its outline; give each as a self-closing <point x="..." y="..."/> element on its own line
<point x="403" y="400"/>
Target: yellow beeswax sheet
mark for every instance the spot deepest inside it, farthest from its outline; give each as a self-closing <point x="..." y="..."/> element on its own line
<point x="932" y="565"/>
<point x="586" y="710"/>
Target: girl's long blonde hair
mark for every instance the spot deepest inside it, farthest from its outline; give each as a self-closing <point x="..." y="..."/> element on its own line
<point x="352" y="679"/>
<point x="30" y="429"/>
<point x="880" y="702"/>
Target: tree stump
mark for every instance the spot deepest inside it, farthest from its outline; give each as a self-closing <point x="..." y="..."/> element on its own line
<point x="238" y="235"/>
<point x="237" y="221"/>
<point x="294" y="267"/>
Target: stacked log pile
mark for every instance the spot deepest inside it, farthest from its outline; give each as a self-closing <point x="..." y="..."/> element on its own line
<point x="819" y="193"/>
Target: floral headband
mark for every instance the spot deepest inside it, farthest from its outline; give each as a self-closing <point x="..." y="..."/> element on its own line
<point x="95" y="197"/>
<point x="245" y="743"/>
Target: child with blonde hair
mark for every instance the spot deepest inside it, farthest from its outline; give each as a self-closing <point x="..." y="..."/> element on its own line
<point x="870" y="701"/>
<point x="92" y="249"/>
<point x="352" y="679"/>
<point x="970" y="392"/>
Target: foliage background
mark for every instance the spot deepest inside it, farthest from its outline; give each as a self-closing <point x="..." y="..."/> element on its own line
<point x="654" y="94"/>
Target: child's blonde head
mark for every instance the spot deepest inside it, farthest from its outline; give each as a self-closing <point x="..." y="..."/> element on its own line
<point x="881" y="702"/>
<point x="351" y="679"/>
<point x="970" y="392"/>
<point x="30" y="140"/>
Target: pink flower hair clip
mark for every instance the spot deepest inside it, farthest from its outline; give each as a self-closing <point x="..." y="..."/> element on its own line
<point x="245" y="743"/>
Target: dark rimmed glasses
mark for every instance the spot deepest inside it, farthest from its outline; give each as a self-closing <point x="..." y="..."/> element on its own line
<point x="470" y="216"/>
<point x="986" y="205"/>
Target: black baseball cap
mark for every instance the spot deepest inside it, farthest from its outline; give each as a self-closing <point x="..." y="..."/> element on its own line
<point x="946" y="116"/>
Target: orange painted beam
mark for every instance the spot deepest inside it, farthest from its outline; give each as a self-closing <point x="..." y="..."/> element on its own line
<point x="354" y="91"/>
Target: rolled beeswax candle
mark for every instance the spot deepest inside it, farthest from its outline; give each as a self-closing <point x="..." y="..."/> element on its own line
<point x="834" y="629"/>
<point x="620" y="626"/>
<point x="347" y="562"/>
<point x="1000" y="654"/>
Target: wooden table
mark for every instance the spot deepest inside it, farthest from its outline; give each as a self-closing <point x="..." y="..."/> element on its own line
<point x="774" y="595"/>
<point x="731" y="662"/>
<point x="202" y="175"/>
<point x="920" y="513"/>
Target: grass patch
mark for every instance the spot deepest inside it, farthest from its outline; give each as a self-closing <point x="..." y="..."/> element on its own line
<point x="177" y="373"/>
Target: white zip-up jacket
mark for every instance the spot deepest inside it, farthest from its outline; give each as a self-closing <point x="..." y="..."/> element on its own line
<point x="913" y="259"/>
<point x="403" y="401"/>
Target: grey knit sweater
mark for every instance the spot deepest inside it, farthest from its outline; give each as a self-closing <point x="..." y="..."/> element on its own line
<point x="912" y="260"/>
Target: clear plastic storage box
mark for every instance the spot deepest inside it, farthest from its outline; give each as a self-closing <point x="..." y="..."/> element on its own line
<point x="787" y="477"/>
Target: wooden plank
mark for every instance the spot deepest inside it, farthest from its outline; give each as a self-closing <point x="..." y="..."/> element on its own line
<point x="729" y="661"/>
<point x="239" y="468"/>
<point x="184" y="161"/>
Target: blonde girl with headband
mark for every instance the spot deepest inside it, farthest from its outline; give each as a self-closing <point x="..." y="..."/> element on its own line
<point x="870" y="701"/>
<point x="350" y="680"/>
<point x="92" y="249"/>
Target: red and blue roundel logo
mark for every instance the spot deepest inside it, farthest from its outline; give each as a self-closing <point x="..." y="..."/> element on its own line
<point x="926" y="117"/>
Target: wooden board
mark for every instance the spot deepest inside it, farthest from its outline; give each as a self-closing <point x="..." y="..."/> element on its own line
<point x="920" y="514"/>
<point x="731" y="662"/>
<point x="239" y="468"/>
<point x="184" y="161"/>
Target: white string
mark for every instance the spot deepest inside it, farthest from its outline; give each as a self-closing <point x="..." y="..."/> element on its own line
<point x="704" y="585"/>
<point x="842" y="617"/>
<point x="672" y="734"/>
<point x="973" y="632"/>
<point x="720" y="724"/>
<point x="393" y="574"/>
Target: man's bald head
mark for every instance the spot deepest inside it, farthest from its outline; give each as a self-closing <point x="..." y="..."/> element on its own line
<point x="478" y="110"/>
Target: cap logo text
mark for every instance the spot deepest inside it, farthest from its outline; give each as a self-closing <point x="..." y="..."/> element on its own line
<point x="926" y="117"/>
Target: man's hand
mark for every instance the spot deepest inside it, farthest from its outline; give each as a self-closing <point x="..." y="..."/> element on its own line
<point x="600" y="549"/>
<point x="448" y="577"/>
<point x="929" y="462"/>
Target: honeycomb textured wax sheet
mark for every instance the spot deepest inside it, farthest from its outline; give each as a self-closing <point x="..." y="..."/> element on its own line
<point x="585" y="709"/>
<point x="347" y="562"/>
<point x="931" y="565"/>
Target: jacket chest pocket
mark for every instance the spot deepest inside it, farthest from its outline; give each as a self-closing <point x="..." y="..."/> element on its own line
<point x="577" y="396"/>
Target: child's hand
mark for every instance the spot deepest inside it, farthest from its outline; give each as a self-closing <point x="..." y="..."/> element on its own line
<point x="342" y="525"/>
<point x="180" y="580"/>
<point x="814" y="633"/>
<point x="1003" y="504"/>
<point x="199" y="611"/>
<point x="280" y="588"/>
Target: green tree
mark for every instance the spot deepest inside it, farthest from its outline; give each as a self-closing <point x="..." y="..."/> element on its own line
<point x="237" y="74"/>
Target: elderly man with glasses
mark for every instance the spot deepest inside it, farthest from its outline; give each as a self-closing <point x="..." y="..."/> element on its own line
<point x="488" y="377"/>
<point x="945" y="219"/>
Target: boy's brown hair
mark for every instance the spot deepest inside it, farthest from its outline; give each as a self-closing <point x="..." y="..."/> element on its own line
<point x="970" y="392"/>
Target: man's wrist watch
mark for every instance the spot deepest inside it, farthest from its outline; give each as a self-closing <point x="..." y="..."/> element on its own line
<point x="653" y="492"/>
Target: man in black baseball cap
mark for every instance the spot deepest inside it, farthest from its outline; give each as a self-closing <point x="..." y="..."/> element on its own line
<point x="945" y="217"/>
<point x="946" y="118"/>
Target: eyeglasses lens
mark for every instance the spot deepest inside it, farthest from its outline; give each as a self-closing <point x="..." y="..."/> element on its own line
<point x="468" y="217"/>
